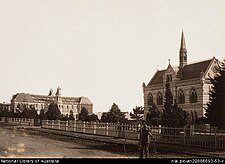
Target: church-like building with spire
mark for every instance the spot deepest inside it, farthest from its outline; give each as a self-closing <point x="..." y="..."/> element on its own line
<point x="65" y="104"/>
<point x="189" y="83"/>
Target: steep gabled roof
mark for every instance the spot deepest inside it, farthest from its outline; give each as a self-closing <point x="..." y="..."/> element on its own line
<point x="23" y="97"/>
<point x="157" y="78"/>
<point x="85" y="100"/>
<point x="192" y="71"/>
<point x="32" y="98"/>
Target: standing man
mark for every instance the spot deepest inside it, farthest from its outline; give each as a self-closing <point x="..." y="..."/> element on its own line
<point x="145" y="134"/>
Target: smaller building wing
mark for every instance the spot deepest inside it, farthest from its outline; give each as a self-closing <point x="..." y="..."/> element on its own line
<point x="85" y="100"/>
<point x="23" y="97"/>
<point x="157" y="78"/>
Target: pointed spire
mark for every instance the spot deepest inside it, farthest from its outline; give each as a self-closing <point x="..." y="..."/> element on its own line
<point x="182" y="44"/>
<point x="183" y="52"/>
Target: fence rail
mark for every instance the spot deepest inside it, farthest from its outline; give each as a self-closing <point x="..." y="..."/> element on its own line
<point x="214" y="139"/>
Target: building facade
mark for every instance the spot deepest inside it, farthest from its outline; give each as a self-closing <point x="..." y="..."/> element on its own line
<point x="65" y="104"/>
<point x="189" y="83"/>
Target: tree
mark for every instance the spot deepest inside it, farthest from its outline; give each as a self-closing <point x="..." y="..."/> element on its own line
<point x="153" y="116"/>
<point x="64" y="117"/>
<point x="114" y="115"/>
<point x="42" y="115"/>
<point x="137" y="114"/>
<point x="53" y="112"/>
<point x="83" y="114"/>
<point x="104" y="117"/>
<point x="167" y="111"/>
<point x="4" y="112"/>
<point x="180" y="117"/>
<point x="71" y="116"/>
<point x="173" y="116"/>
<point x="33" y="113"/>
<point x="215" y="112"/>
<point x="28" y="111"/>
<point x="92" y="117"/>
<point x="25" y="113"/>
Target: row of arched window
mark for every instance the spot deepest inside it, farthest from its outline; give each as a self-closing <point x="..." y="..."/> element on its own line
<point x="180" y="98"/>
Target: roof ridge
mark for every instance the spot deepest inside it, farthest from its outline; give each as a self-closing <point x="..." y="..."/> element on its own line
<point x="196" y="62"/>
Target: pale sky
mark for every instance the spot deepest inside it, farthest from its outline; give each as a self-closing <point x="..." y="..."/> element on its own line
<point x="102" y="49"/>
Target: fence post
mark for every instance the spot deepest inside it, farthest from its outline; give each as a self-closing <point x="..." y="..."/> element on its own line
<point x="52" y="124"/>
<point x="107" y="129"/>
<point x="84" y="127"/>
<point x="138" y="129"/>
<point x="159" y="129"/>
<point x="59" y="124"/>
<point x="67" y="125"/>
<point x="94" y="126"/>
<point x="184" y="135"/>
<point x="216" y="144"/>
<point x="74" y="125"/>
<point x="46" y="123"/>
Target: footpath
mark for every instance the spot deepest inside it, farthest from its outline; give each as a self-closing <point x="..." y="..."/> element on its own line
<point x="160" y="147"/>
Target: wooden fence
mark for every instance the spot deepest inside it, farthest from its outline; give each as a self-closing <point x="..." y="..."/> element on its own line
<point x="203" y="138"/>
<point x="107" y="129"/>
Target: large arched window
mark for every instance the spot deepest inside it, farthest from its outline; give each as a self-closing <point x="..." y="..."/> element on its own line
<point x="150" y="99"/>
<point x="193" y="96"/>
<point x="159" y="99"/>
<point x="181" y="97"/>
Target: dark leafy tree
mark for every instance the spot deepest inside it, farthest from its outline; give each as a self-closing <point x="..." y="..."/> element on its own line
<point x="71" y="116"/>
<point x="42" y="115"/>
<point x="83" y="114"/>
<point x="104" y="117"/>
<point x="64" y="117"/>
<point x="25" y="113"/>
<point x="33" y="113"/>
<point x="180" y="117"/>
<point x="53" y="112"/>
<point x="137" y="114"/>
<point x="114" y="115"/>
<point x="215" y="112"/>
<point x="4" y="112"/>
<point x="193" y="118"/>
<point x="173" y="116"/>
<point x="28" y="111"/>
<point x="168" y="106"/>
<point x="153" y="116"/>
<point x="92" y="117"/>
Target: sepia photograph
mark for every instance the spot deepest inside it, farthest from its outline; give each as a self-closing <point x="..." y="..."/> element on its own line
<point x="112" y="79"/>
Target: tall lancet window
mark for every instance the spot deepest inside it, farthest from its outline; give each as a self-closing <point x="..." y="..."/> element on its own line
<point x="193" y="96"/>
<point x="150" y="99"/>
<point x="181" y="97"/>
<point x="159" y="99"/>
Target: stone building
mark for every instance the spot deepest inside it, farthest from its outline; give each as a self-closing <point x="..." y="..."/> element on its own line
<point x="65" y="104"/>
<point x="5" y="106"/>
<point x="189" y="83"/>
